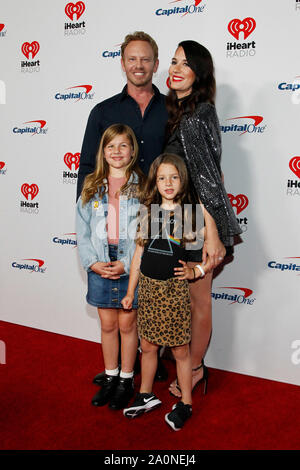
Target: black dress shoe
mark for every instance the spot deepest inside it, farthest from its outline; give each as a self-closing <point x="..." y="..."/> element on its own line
<point x="107" y="390"/>
<point x="122" y="395"/>
<point x="99" y="378"/>
<point x="161" y="372"/>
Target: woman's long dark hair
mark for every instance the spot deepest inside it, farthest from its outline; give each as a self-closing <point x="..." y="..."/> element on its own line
<point x="204" y="87"/>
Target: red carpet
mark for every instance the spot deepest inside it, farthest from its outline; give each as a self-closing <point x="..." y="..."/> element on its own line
<point x="45" y="404"/>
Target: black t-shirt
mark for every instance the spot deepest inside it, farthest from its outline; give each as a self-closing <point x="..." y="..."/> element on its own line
<point x="163" y="251"/>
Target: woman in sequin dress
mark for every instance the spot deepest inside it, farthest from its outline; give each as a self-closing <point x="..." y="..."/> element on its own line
<point x="193" y="133"/>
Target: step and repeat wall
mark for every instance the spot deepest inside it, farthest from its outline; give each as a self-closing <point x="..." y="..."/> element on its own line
<point x="58" y="60"/>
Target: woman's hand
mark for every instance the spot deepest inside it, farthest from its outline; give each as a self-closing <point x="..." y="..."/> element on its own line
<point x="213" y="249"/>
<point x="184" y="272"/>
<point x="127" y="302"/>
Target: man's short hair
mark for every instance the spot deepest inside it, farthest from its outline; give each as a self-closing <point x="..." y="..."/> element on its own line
<point x="140" y="36"/>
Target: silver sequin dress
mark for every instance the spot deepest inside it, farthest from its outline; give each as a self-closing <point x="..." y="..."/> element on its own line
<point x="199" y="139"/>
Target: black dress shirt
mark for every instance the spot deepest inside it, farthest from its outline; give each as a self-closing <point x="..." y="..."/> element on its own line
<point x="149" y="129"/>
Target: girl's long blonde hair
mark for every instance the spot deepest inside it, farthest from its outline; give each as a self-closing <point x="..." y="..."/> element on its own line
<point x="94" y="182"/>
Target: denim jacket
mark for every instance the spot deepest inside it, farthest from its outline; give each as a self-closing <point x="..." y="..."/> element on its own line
<point x="91" y="227"/>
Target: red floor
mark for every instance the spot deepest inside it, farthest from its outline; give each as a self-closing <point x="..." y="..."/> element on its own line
<point x="46" y="389"/>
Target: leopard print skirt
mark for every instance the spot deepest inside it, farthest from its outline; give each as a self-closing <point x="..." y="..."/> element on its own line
<point x="164" y="311"/>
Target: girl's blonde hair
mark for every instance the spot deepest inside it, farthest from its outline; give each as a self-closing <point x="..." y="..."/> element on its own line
<point x="94" y="182"/>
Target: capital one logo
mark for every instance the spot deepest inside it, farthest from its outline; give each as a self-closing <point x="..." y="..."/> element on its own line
<point x="72" y="159"/>
<point x="29" y="190"/>
<point x="196" y="2"/>
<point x="236" y="298"/>
<point x="294" y="165"/>
<point x="32" y="49"/>
<point x="36" y="266"/>
<point x="252" y="128"/>
<point x="78" y="95"/>
<point x="191" y="8"/>
<point x="240" y="202"/>
<point x="72" y="9"/>
<point x="246" y="26"/>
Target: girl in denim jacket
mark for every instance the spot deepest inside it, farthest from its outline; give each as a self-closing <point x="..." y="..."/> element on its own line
<point x="106" y="226"/>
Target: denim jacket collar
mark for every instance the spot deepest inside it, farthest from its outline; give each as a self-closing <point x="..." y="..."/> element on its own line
<point x="132" y="179"/>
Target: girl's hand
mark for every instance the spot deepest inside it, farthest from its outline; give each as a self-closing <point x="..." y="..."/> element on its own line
<point x="184" y="272"/>
<point x="215" y="250"/>
<point x="127" y="302"/>
<point x="116" y="268"/>
<point x="101" y="268"/>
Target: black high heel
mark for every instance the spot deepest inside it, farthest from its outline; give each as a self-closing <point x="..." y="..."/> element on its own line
<point x="203" y="380"/>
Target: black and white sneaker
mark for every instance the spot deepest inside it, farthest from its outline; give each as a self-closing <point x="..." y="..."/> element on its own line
<point x="178" y="416"/>
<point x="143" y="403"/>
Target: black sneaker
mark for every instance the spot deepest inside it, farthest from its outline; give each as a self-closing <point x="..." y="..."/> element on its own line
<point x="178" y="416"/>
<point x="143" y="403"/>
<point x="123" y="393"/>
<point x="107" y="390"/>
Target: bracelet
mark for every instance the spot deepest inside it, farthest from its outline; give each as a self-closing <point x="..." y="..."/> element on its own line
<point x="200" y="269"/>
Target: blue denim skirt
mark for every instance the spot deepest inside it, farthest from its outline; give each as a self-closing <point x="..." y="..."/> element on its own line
<point x="108" y="293"/>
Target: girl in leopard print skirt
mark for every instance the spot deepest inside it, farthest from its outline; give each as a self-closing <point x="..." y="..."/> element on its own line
<point x="159" y="267"/>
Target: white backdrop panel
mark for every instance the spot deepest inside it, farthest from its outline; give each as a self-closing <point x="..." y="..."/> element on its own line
<point x="256" y="297"/>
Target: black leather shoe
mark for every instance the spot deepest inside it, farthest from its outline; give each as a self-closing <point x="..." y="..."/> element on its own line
<point x="107" y="390"/>
<point x="122" y="395"/>
<point x="161" y="372"/>
<point x="99" y="378"/>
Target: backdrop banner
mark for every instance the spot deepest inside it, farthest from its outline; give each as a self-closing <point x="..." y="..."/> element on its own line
<point x="58" y="60"/>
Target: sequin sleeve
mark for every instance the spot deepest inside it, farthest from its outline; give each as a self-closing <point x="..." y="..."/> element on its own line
<point x="201" y="141"/>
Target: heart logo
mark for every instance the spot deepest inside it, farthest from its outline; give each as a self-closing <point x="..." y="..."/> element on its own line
<point x="32" y="48"/>
<point x="240" y="202"/>
<point x="72" y="8"/>
<point x="236" y="26"/>
<point x="295" y="166"/>
<point x="31" y="190"/>
<point x="71" y="159"/>
<point x="1" y="26"/>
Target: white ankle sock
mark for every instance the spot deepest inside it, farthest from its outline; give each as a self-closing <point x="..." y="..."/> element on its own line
<point x="126" y="375"/>
<point x="113" y="372"/>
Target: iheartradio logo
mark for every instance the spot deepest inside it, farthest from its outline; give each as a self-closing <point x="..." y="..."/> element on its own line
<point x="2" y="32"/>
<point x="240" y="202"/>
<point x="29" y="190"/>
<point x="71" y="159"/>
<point x="293" y="186"/>
<point x="2" y="165"/>
<point x="32" y="49"/>
<point x="294" y="165"/>
<point x="235" y="28"/>
<point x="246" y="26"/>
<point x="73" y="9"/>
